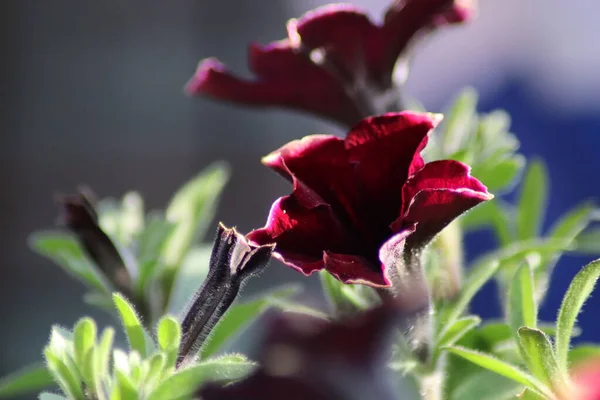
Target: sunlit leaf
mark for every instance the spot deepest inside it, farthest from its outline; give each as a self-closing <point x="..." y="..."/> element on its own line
<point x="522" y="308"/>
<point x="532" y="201"/>
<point x="132" y="324"/>
<point x="539" y="356"/>
<point x="26" y="380"/>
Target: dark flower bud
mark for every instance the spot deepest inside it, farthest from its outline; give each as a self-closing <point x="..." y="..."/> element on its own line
<point x="80" y="217"/>
<point x="233" y="261"/>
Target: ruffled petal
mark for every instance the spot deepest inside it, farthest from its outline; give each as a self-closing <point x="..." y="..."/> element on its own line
<point x="348" y="268"/>
<point x="385" y="151"/>
<point x="432" y="209"/>
<point x="444" y="174"/>
<point x="301" y="234"/>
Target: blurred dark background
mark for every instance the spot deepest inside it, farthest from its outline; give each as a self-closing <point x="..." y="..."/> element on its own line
<point x="91" y="92"/>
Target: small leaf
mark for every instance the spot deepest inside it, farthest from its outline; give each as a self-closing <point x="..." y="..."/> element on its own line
<point x="499" y="173"/>
<point x="491" y="213"/>
<point x="191" y="211"/>
<point x="125" y="387"/>
<point x="66" y="378"/>
<point x="476" y="386"/>
<point x="458" y="125"/>
<point x="522" y="308"/>
<point x="502" y="368"/>
<point x="580" y="289"/>
<point x="588" y="242"/>
<point x="237" y="318"/>
<point x="101" y="360"/>
<point x="84" y="340"/>
<point x="186" y="381"/>
<point x="169" y="338"/>
<point x="131" y="218"/>
<point x="453" y="333"/>
<point x="132" y="324"/>
<point x="65" y="251"/>
<point x="191" y="274"/>
<point x="532" y="201"/>
<point x="539" y="356"/>
<point x="29" y="379"/>
<point x="338" y="302"/>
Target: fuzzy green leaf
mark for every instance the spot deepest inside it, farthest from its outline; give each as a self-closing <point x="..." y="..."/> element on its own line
<point x="26" y="380"/>
<point x="458" y="126"/>
<point x="580" y="289"/>
<point x="522" y="307"/>
<point x="502" y="368"/>
<point x="169" y="338"/>
<point x="67" y="378"/>
<point x="132" y="324"/>
<point x="532" y="201"/>
<point x="100" y="362"/>
<point x="539" y="355"/>
<point x="66" y="252"/>
<point x="191" y="211"/>
<point x="185" y="381"/>
<point x="453" y="333"/>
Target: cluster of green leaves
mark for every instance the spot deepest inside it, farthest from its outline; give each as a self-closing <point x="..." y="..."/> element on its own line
<point x="87" y="367"/>
<point x="160" y="250"/>
<point x="533" y="359"/>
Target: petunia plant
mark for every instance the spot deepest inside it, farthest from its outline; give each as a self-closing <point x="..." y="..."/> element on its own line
<point x="379" y="210"/>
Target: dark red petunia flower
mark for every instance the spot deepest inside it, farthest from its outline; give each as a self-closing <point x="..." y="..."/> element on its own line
<point x="335" y="63"/>
<point x="304" y="357"/>
<point x="362" y="204"/>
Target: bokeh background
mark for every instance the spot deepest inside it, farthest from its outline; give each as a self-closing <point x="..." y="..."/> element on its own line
<point x="91" y="92"/>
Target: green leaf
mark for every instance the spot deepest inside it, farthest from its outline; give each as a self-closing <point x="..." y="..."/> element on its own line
<point x="66" y="378"/>
<point x="532" y="201"/>
<point x="539" y="356"/>
<point x="191" y="211"/>
<point x="583" y="352"/>
<point x="29" y="379"/>
<point x="84" y="340"/>
<point x="131" y="218"/>
<point x="499" y="172"/>
<point x="457" y="330"/>
<point x="491" y="213"/>
<point x="502" y="368"/>
<point x="570" y="225"/>
<point x="132" y="324"/>
<point x="65" y="251"/>
<point x="169" y="338"/>
<point x="51" y="396"/>
<point x="332" y="288"/>
<point x="579" y="290"/>
<point x="191" y="274"/>
<point x="588" y="242"/>
<point x="125" y="387"/>
<point x="477" y="386"/>
<point x="291" y="306"/>
<point x="185" y="381"/>
<point x="237" y="318"/>
<point x="100" y="362"/>
<point x="156" y="367"/>
<point x="458" y="124"/>
<point x="522" y="308"/>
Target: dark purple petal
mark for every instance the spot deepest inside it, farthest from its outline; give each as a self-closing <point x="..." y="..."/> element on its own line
<point x="286" y="78"/>
<point x="406" y="19"/>
<point x="349" y="268"/>
<point x="385" y="151"/>
<point x="351" y="42"/>
<point x="444" y="174"/>
<point x="301" y="234"/>
<point x="433" y="209"/>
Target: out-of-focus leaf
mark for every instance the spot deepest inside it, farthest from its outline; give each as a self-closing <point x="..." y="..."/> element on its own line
<point x="491" y="213"/>
<point x="580" y="289"/>
<point x="132" y="324"/>
<point x="191" y="211"/>
<point x="478" y="386"/>
<point x="186" y="381"/>
<point x="522" y="308"/>
<point x="64" y="250"/>
<point x="51" y="396"/>
<point x="499" y="173"/>
<point x="588" y="242"/>
<point x="84" y="340"/>
<point x="124" y="387"/>
<point x="131" y="218"/>
<point x="583" y="352"/>
<point x="66" y="378"/>
<point x="27" y="380"/>
<point x="152" y="239"/>
<point x="539" y="356"/>
<point x="238" y="318"/>
<point x="502" y="368"/>
<point x="100" y="361"/>
<point x="453" y="333"/>
<point x="191" y="275"/>
<point x="570" y="225"/>
<point x="532" y="201"/>
<point x="458" y="126"/>
<point x="169" y="338"/>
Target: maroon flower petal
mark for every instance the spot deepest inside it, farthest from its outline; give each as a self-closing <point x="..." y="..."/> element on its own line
<point x="286" y="78"/>
<point x="320" y="162"/>
<point x="406" y="18"/>
<point x="352" y="43"/>
<point x="444" y="174"/>
<point x="349" y="268"/>
<point x="386" y="151"/>
<point x="433" y="209"/>
<point x="301" y="234"/>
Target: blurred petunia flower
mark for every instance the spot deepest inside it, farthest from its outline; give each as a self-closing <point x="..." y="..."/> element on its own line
<point x="363" y="207"/>
<point x="586" y="379"/>
<point x="335" y="62"/>
<point x="305" y="357"/>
